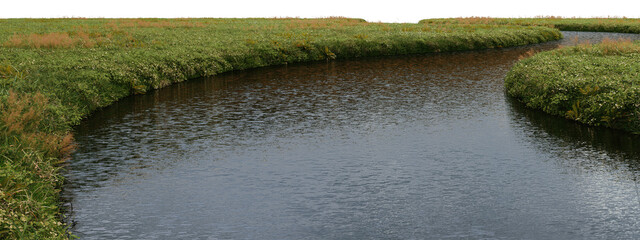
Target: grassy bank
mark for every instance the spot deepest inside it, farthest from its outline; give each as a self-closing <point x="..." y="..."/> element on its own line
<point x="594" y="84"/>
<point x="620" y="25"/>
<point x="54" y="72"/>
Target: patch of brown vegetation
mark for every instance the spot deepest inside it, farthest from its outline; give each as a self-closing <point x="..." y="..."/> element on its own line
<point x="610" y="46"/>
<point x="23" y="116"/>
<point x="621" y="45"/>
<point x="57" y="40"/>
<point x="46" y="40"/>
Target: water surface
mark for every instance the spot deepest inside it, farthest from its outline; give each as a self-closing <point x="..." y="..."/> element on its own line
<point x="408" y="147"/>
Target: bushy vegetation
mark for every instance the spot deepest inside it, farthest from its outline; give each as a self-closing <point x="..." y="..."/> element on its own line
<point x="620" y="25"/>
<point x="29" y="178"/>
<point x="54" y="72"/>
<point x="594" y="84"/>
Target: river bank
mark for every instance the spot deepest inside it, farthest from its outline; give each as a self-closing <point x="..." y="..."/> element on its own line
<point x="618" y="25"/>
<point x="54" y="72"/>
<point x="595" y="84"/>
<point x="405" y="147"/>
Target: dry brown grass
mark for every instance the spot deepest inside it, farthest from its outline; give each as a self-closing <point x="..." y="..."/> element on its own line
<point x="79" y="37"/>
<point x="46" y="40"/>
<point x="527" y="54"/>
<point x="610" y="46"/>
<point x="116" y="31"/>
<point x="622" y="45"/>
<point x="30" y="164"/>
<point x="57" y="40"/>
<point x="22" y="115"/>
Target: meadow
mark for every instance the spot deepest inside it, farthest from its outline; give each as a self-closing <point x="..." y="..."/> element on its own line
<point x="55" y="72"/>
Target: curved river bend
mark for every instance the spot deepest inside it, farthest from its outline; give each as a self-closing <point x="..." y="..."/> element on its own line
<point x="409" y="147"/>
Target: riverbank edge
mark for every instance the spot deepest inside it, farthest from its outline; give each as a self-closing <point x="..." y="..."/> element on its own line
<point x="31" y="172"/>
<point x="596" y="85"/>
<point x="617" y="25"/>
<point x="578" y="102"/>
<point x="591" y="102"/>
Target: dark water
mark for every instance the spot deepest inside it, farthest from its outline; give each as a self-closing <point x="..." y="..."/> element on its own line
<point x="413" y="147"/>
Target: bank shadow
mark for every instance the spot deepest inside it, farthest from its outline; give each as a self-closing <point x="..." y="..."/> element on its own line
<point x="578" y="146"/>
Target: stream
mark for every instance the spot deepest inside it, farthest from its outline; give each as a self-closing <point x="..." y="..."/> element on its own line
<point x="403" y="147"/>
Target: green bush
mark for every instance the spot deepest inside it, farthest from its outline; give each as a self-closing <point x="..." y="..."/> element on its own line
<point x="594" y="84"/>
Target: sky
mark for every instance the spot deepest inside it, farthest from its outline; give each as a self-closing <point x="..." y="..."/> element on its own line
<point x="371" y="10"/>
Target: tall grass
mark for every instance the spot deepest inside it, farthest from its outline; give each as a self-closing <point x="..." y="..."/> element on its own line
<point x="29" y="176"/>
<point x="606" y="47"/>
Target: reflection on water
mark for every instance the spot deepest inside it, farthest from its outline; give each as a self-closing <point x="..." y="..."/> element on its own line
<point x="397" y="147"/>
<point x="603" y="147"/>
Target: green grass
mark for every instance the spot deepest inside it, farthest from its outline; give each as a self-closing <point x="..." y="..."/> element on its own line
<point x="54" y="72"/>
<point x="597" y="84"/>
<point x="621" y="25"/>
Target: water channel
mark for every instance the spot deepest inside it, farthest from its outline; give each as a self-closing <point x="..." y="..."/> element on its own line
<point x="408" y="147"/>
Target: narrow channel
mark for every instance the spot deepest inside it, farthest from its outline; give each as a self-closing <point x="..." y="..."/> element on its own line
<point x="407" y="147"/>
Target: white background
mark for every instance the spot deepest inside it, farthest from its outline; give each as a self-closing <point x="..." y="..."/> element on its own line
<point x="385" y="11"/>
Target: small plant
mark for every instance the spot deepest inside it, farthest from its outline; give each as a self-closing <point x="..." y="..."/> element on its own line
<point x="329" y="54"/>
<point x="527" y="54"/>
<point x="408" y="29"/>
<point x="10" y="72"/>
<point x="589" y="90"/>
<point x="139" y="89"/>
<point x="303" y="45"/>
<point x="361" y="36"/>
<point x="575" y="112"/>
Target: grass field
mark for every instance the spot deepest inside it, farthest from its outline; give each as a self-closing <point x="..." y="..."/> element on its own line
<point x="54" y="72"/>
